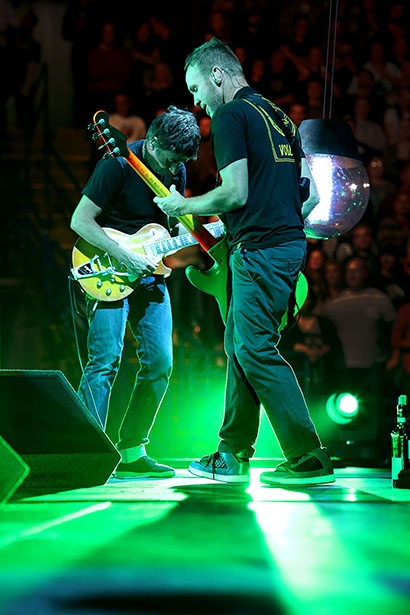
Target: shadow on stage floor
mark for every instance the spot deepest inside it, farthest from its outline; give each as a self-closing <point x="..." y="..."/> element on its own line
<point x="190" y="546"/>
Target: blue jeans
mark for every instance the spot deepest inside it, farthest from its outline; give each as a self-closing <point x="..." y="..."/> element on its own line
<point x="262" y="281"/>
<point x="148" y="313"/>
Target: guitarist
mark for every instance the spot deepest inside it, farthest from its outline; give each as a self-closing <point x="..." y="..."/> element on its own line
<point x="265" y="178"/>
<point x="116" y="197"/>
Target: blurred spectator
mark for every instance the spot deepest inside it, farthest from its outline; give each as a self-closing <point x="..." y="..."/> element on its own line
<point x="363" y="246"/>
<point x="162" y="37"/>
<point x="314" y="272"/>
<point x="345" y="68"/>
<point x="361" y="85"/>
<point x="314" y="99"/>
<point x="21" y="60"/>
<point x="363" y="317"/>
<point x="395" y="24"/>
<point x="385" y="74"/>
<point x="299" y="42"/>
<point x="333" y="274"/>
<point x="400" y="51"/>
<point x="253" y="34"/>
<point x="387" y="279"/>
<point x="240" y="53"/>
<point x="143" y="48"/>
<point x="108" y="69"/>
<point x="160" y="91"/>
<point x="131" y="125"/>
<point x="144" y="51"/>
<point x="258" y="78"/>
<point x="369" y="135"/>
<point x="382" y="189"/>
<point x="201" y="173"/>
<point x="315" y="337"/>
<point x="400" y="359"/>
<point x="219" y="26"/>
<point x="396" y="120"/>
<point x="77" y="27"/>
<point x="297" y="113"/>
<point x="281" y="77"/>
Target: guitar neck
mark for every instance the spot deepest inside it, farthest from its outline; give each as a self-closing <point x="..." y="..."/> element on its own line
<point x="197" y="230"/>
<point x="173" y="244"/>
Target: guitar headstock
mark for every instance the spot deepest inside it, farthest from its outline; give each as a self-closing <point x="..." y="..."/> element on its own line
<point x="107" y="137"/>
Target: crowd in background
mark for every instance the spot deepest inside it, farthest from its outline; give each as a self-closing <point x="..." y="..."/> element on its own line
<point x="128" y="59"/>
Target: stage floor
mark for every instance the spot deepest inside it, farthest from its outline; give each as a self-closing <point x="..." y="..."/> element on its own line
<point x="190" y="546"/>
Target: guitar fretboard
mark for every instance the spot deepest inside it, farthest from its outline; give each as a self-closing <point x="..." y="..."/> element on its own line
<point x="159" y="248"/>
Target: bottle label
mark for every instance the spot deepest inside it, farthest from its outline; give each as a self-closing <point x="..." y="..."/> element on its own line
<point x="396" y="467"/>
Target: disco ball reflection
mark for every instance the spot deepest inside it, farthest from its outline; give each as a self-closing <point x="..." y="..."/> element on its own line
<point x="344" y="191"/>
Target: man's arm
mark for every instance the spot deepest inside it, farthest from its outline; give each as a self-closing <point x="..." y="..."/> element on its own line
<point x="314" y="198"/>
<point x="83" y="222"/>
<point x="232" y="194"/>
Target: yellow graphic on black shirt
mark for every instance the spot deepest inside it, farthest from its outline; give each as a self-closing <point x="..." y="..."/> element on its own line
<point x="282" y="152"/>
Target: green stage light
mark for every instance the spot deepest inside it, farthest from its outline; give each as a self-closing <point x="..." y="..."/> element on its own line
<point x="342" y="407"/>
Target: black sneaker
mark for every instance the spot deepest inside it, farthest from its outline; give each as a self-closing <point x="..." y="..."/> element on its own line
<point x="223" y="467"/>
<point x="313" y="468"/>
<point x="144" y="467"/>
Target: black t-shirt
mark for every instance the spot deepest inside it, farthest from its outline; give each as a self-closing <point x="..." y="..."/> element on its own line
<point x="126" y="200"/>
<point x="246" y="128"/>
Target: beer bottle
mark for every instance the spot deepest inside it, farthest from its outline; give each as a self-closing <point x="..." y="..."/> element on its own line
<point x="400" y="440"/>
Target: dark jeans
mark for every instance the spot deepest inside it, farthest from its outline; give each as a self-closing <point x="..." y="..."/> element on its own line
<point x="148" y="313"/>
<point x="262" y="281"/>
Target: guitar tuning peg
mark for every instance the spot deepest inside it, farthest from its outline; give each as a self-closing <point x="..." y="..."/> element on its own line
<point x="101" y="122"/>
<point x="116" y="151"/>
<point x="106" y="156"/>
<point x="95" y="136"/>
<point x="90" y="127"/>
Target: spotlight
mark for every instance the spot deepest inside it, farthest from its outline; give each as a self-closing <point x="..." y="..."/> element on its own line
<point x="342" y="408"/>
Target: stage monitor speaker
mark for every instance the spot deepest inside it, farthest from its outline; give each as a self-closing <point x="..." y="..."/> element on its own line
<point x="13" y="471"/>
<point x="43" y="419"/>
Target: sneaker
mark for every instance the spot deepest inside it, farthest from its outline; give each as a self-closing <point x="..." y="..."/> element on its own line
<point x="313" y="468"/>
<point x="144" y="467"/>
<point x="224" y="467"/>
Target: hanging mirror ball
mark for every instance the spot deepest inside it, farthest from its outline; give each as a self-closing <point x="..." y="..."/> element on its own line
<point x="340" y="177"/>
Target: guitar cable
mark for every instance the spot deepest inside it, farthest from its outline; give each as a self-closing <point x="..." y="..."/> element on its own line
<point x="74" y="310"/>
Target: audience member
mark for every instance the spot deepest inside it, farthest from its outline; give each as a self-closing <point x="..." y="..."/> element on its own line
<point x="363" y="317"/>
<point x="201" y="173"/>
<point x="314" y="336"/>
<point x="281" y="79"/>
<point x="297" y="113"/>
<point x="333" y="274"/>
<point x="369" y="135"/>
<point x="22" y="54"/>
<point x="77" y="27"/>
<point x="131" y="125"/>
<point x="400" y="358"/>
<point x="388" y="274"/>
<point x="314" y="272"/>
<point x="362" y="246"/>
<point x="109" y="67"/>
<point x="382" y="189"/>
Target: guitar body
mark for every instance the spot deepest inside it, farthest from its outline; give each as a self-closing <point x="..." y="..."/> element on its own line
<point x="213" y="281"/>
<point x="105" y="285"/>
